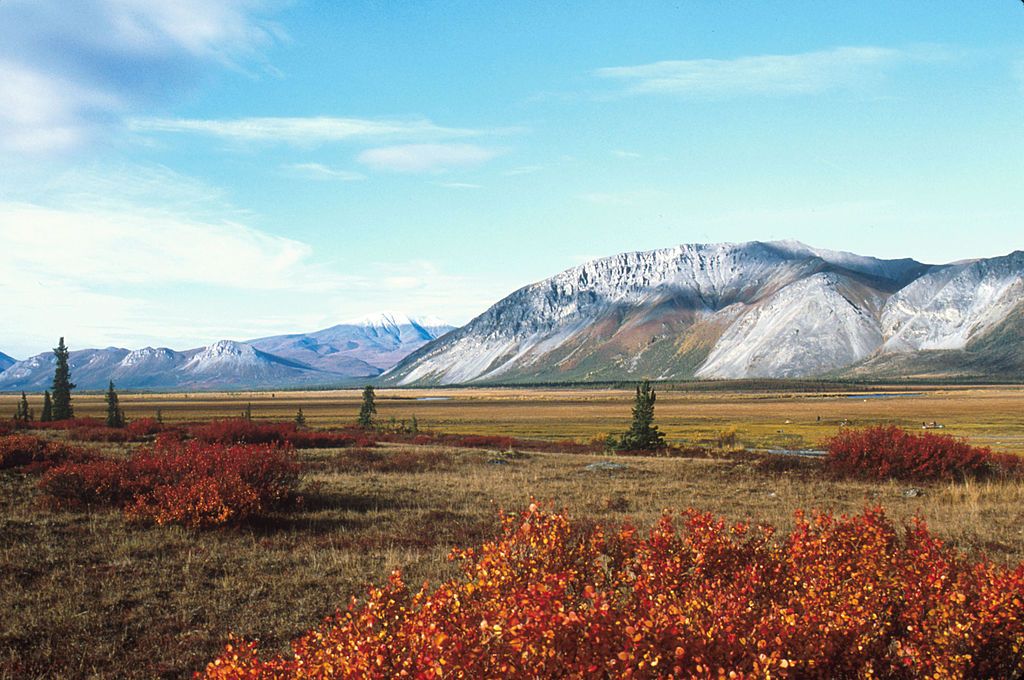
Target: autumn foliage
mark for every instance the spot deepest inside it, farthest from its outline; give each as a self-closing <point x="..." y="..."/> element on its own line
<point x="884" y="452"/>
<point x="33" y="454"/>
<point x="244" y="431"/>
<point x="193" y="484"/>
<point x="837" y="597"/>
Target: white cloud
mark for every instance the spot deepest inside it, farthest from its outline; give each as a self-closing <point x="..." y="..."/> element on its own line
<point x="140" y="246"/>
<point x="426" y="157"/>
<point x="320" y="171"/>
<point x="42" y="113"/>
<point x="303" y="131"/>
<point x="769" y="74"/>
<point x="626" y="154"/>
<point x="70" y="70"/>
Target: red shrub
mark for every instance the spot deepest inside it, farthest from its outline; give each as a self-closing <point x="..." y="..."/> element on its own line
<point x="193" y="484"/>
<point x="34" y="454"/>
<point x="242" y="431"/>
<point x="884" y="452"/>
<point x="838" y="597"/>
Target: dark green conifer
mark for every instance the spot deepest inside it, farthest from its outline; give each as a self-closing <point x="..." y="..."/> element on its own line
<point x="643" y="434"/>
<point x="369" y="409"/>
<point x="62" y="384"/>
<point x="47" y="414"/>
<point x="21" y="413"/>
<point x="300" y="418"/>
<point x="115" y="416"/>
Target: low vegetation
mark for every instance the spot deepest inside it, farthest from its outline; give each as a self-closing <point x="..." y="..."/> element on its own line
<point x="884" y="452"/>
<point x="215" y="542"/>
<point x="842" y="597"/>
<point x="194" y="484"/>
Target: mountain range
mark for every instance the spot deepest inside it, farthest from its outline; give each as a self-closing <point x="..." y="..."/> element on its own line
<point x="777" y="309"/>
<point x="341" y="355"/>
<point x="750" y="310"/>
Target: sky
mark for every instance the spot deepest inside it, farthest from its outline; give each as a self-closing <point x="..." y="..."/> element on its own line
<point x="172" y="174"/>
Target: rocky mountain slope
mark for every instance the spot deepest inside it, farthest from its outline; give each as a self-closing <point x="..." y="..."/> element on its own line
<point x="5" y="361"/>
<point x="775" y="310"/>
<point x="335" y="356"/>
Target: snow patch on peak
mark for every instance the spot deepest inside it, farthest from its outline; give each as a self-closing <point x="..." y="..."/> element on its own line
<point x="392" y="319"/>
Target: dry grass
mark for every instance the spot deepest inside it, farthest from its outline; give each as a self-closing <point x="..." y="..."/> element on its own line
<point x="87" y="596"/>
<point x="986" y="416"/>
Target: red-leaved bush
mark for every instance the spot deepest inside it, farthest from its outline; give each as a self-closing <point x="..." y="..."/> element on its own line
<point x="33" y="454"/>
<point x="193" y="484"/>
<point x="887" y="451"/>
<point x="695" y="598"/>
<point x="244" y="431"/>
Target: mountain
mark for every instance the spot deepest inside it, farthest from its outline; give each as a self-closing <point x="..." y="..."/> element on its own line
<point x="223" y="365"/>
<point x="772" y="310"/>
<point x="362" y="347"/>
<point x="337" y="356"/>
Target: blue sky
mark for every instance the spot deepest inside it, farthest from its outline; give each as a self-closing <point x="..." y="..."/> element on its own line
<point x="177" y="173"/>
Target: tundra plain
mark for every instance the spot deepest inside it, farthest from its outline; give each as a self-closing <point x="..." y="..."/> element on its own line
<point x="88" y="595"/>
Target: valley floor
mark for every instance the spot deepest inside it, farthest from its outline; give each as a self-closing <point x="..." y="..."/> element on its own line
<point x="86" y="595"/>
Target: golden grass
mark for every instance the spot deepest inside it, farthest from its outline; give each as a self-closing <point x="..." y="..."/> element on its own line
<point x="986" y="416"/>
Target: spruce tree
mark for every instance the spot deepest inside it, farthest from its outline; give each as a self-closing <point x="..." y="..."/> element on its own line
<point x="369" y="409"/>
<point x="247" y="413"/>
<point x="62" y="384"/>
<point x="300" y="418"/>
<point x="47" y="414"/>
<point x="115" y="416"/>
<point x="22" y="413"/>
<point x="643" y="434"/>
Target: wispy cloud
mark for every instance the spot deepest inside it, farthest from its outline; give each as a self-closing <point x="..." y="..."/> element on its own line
<point x="626" y="154"/>
<point x="426" y="157"/>
<point x="71" y="73"/>
<point x="319" y="171"/>
<point x="458" y="185"/>
<point x="524" y="170"/>
<point x="303" y="131"/>
<point x="621" y="198"/>
<point x="769" y="74"/>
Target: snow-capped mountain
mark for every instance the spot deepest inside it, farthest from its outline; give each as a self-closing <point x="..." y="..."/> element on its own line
<point x="222" y="365"/>
<point x="779" y="309"/>
<point x="364" y="346"/>
<point x="336" y="356"/>
<point x="6" y="361"/>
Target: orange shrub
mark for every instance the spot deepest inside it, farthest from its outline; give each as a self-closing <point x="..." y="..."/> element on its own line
<point x="888" y="451"/>
<point x="838" y="597"/>
<point x="192" y="484"/>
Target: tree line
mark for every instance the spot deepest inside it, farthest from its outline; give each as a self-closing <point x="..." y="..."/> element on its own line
<point x="643" y="434"/>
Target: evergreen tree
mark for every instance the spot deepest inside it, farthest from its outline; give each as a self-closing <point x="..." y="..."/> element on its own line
<point x="643" y="434"/>
<point x="369" y="409"/>
<point x="115" y="416"/>
<point x="62" y="385"/>
<point x="300" y="418"/>
<point x="160" y="416"/>
<point x="47" y="414"/>
<point x="22" y="413"/>
<point x="247" y="413"/>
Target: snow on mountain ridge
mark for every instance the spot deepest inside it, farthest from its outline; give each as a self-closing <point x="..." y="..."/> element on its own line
<point x="755" y="309"/>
